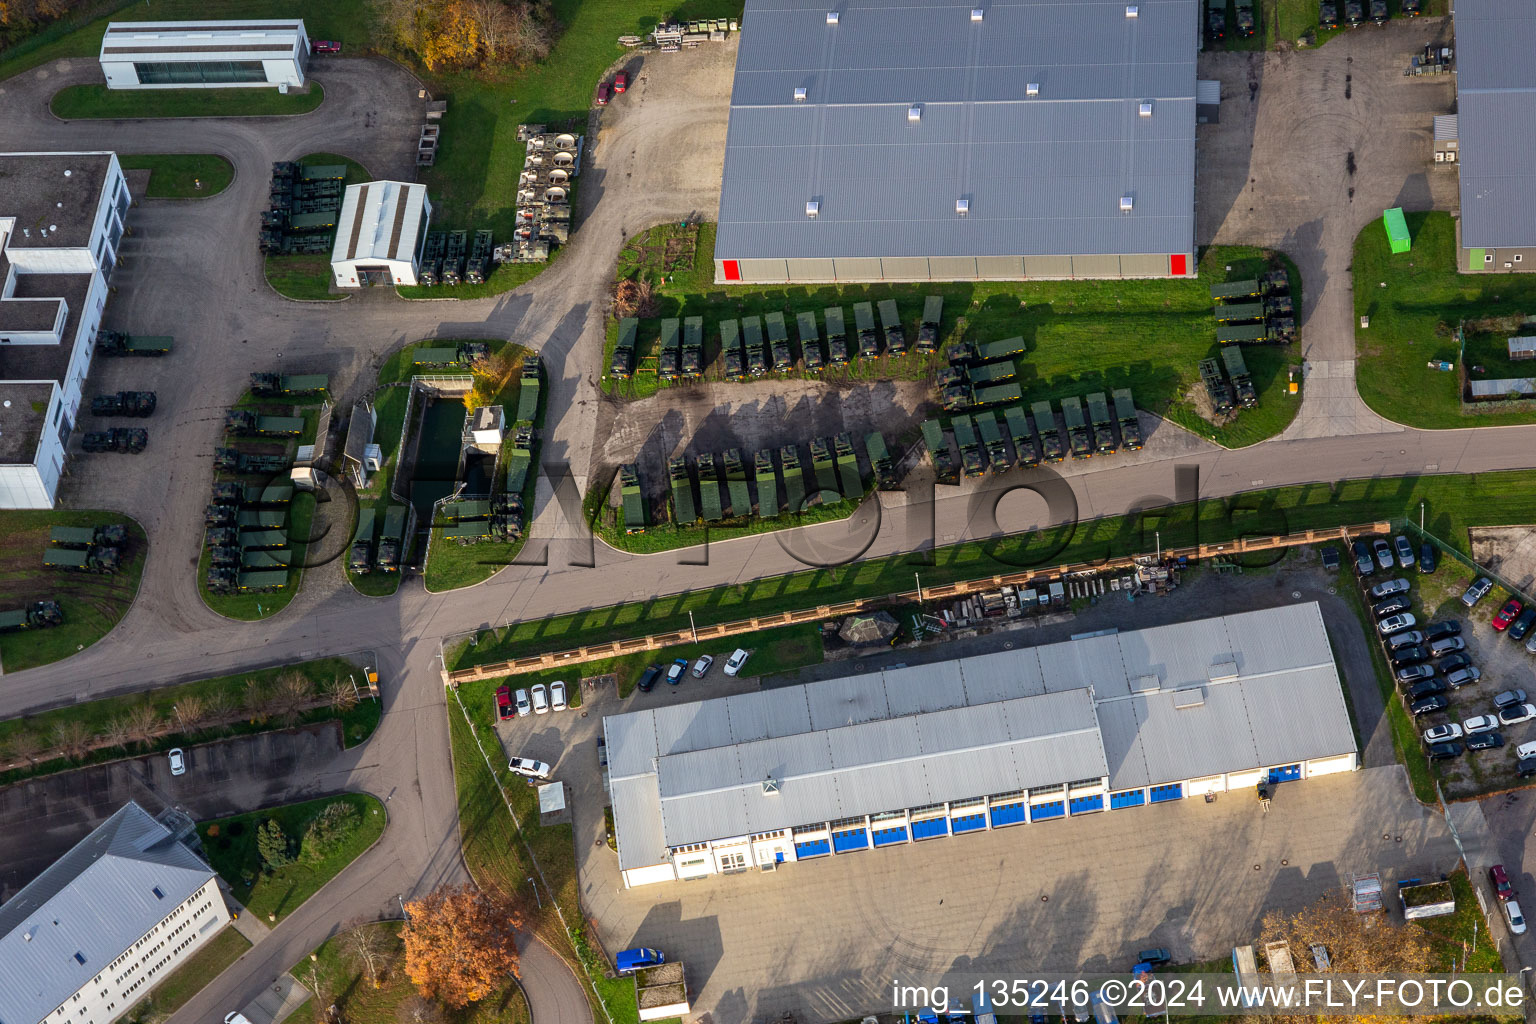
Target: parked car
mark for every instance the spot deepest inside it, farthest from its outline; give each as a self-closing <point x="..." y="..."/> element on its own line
<point x="1441" y="733"/>
<point x="528" y="767"/>
<point x="1404" y="551"/>
<point x="1429" y="558"/>
<point x="1517" y="713"/>
<point x="1403" y="639"/>
<point x="1530" y="645"/>
<point x="1450" y="645"/>
<point x="178" y="761"/>
<point x="621" y="81"/>
<point x="1477" y="591"/>
<point x="1428" y="688"/>
<point x="1416" y="674"/>
<point x="604" y="94"/>
<point x="735" y="661"/>
<point x="602" y="752"/>
<point x="1443" y="751"/>
<point x="236" y="1018"/>
<point x="678" y="669"/>
<point x="1526" y="750"/>
<point x="1508" y="698"/>
<point x="524" y="706"/>
<point x="1452" y="662"/>
<point x="1405" y="656"/>
<point x="1155" y="957"/>
<point x="630" y="960"/>
<point x="504" y="703"/>
<point x="1443" y="629"/>
<point x="1463" y="677"/>
<point x="1392" y="605"/>
<point x="557" y="695"/>
<point x="1506" y="614"/>
<point x="540" y="699"/>
<point x="1389" y="587"/>
<point x="1364" y="564"/>
<point x="1397" y="623"/>
<point x="1525" y="767"/>
<point x="1428" y="705"/>
<point x="648" y="678"/>
<point x="325" y="46"/>
<point x="1383" y="553"/>
<point x="1331" y="559"/>
<point x="1499" y="879"/>
<point x="1485" y="741"/>
<point x="1516" y="918"/>
<point x="1522" y="624"/>
<point x="701" y="667"/>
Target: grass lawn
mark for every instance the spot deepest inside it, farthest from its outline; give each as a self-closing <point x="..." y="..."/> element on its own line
<point x="1459" y="933"/>
<point x="1414" y="319"/>
<point x="503" y="279"/>
<point x="89" y="101"/>
<point x="92" y="603"/>
<point x="188" y="980"/>
<point x="307" y="276"/>
<point x="1081" y="336"/>
<point x="1453" y="503"/>
<point x="1286" y="21"/>
<point x="230" y="844"/>
<point x="177" y="175"/>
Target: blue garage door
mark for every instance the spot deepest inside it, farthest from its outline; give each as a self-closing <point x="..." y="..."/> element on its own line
<point x="1053" y="809"/>
<point x="930" y="828"/>
<point x="967" y="823"/>
<point x="888" y="836"/>
<point x="1162" y="794"/>
<point x="1130" y="798"/>
<point x="852" y="839"/>
<point x="1009" y="814"/>
<point x="814" y="848"/>
<point x="1087" y="804"/>
<point x="1290" y="773"/>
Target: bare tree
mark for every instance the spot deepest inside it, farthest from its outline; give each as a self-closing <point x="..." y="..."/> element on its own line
<point x="418" y="1009"/>
<point x="496" y="24"/>
<point x="73" y="738"/>
<point x="26" y="746"/>
<point x="118" y="733"/>
<point x="291" y="693"/>
<point x="257" y="701"/>
<point x="370" y="949"/>
<point x="342" y="694"/>
<point x="222" y="707"/>
<point x="144" y="723"/>
<point x="319" y="985"/>
<point x="192" y="712"/>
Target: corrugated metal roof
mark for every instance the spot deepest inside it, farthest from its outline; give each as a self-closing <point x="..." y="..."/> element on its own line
<point x="1496" y="107"/>
<point x="1044" y="174"/>
<point x="1207" y="92"/>
<point x="140" y="38"/>
<point x="380" y="220"/>
<point x="96" y="901"/>
<point x="1445" y="127"/>
<point x="1503" y="386"/>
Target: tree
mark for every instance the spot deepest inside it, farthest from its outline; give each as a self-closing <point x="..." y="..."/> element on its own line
<point x="319" y="986"/>
<point x="118" y="733"/>
<point x="370" y="949"/>
<point x="222" y="707"/>
<point x="291" y="694"/>
<point x="192" y="712"/>
<point x="459" y="943"/>
<point x="342" y="694"/>
<point x="272" y="844"/>
<point x="143" y="723"/>
<point x="453" y="39"/>
<point x="73" y="738"/>
<point x="418" y="1009"/>
<point x="25" y="746"/>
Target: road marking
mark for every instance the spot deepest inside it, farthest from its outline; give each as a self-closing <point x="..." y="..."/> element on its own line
<point x="1258" y="483"/>
<point x="1431" y="466"/>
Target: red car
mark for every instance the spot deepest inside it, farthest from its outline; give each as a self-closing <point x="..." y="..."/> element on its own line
<point x="621" y="81"/>
<point x="1506" y="615"/>
<point x="1501" y="886"/>
<point x="504" y="702"/>
<point x="325" y="46"/>
<point x="604" y="93"/>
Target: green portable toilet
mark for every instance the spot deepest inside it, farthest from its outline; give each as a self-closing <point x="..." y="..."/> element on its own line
<point x="1397" y="229"/>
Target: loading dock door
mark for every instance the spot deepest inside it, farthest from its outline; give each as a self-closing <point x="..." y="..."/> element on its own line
<point x="1050" y="809"/>
<point x="1087" y="804"/>
<point x="891" y="836"/>
<point x="1289" y="773"/>
<point x="813" y="848"/>
<point x="930" y="827"/>
<point x="1162" y="794"/>
<point x="1009" y="814"/>
<point x="968" y="822"/>
<point x="849" y="840"/>
<point x="1130" y="798"/>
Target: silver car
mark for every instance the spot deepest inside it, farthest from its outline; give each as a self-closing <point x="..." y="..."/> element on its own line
<point x="1397" y="623"/>
<point x="1477" y="591"/>
<point x="1509" y="698"/>
<point x="1387" y="589"/>
<point x="1405" y="638"/>
<point x="1449" y="645"/>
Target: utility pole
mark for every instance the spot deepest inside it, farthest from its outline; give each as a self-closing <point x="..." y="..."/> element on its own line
<point x="919" y="580"/>
<point x="693" y="627"/>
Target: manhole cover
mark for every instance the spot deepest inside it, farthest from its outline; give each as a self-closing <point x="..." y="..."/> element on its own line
<point x="1296" y="595"/>
<point x="1008" y="646"/>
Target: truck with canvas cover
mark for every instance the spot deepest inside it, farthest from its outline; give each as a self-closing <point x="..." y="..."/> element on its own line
<point x="848" y="466"/>
<point x="246" y="422"/>
<point x="519" y="459"/>
<point x="1379" y="11"/>
<point x="225" y="557"/>
<point x="991" y="373"/>
<point x="864" y="321"/>
<point x="634" y="501"/>
<point x="757" y="351"/>
<point x="669" y="351"/>
<point x="824" y="466"/>
<point x="465" y="531"/>
<point x="1216" y="386"/>
<point x="970" y="448"/>
<point x="130" y="440"/>
<point x="289" y="383"/>
<point x="1125" y="416"/>
<point x="1238" y="312"/>
<point x="778" y="343"/>
<point x="262" y="539"/>
<point x="968" y="353"/>
<point x="709" y="488"/>
<point x="1354" y="12"/>
<point x="233" y="460"/>
<point x="997" y="394"/>
<point x="227" y="492"/>
<point x="1215" y="19"/>
<point x="938" y="451"/>
<point x="928" y="330"/>
<point x="124" y="403"/>
<point x="529" y="384"/>
<point x="436" y="357"/>
<point x="1279" y="305"/>
<point x="1079" y="437"/>
<point x="1234" y="290"/>
<point x="1051" y="448"/>
<point x="794" y="479"/>
<point x="463" y="508"/>
<point x="837" y="336"/>
<point x="360" y="558"/>
<point x="996" y="444"/>
<point x="215" y="514"/>
<point x="1242" y="383"/>
<point x="221" y="579"/>
<point x="478" y="265"/>
<point x="1276" y="281"/>
<point x="278" y="559"/>
<point x="221" y="536"/>
<point x="1024" y="444"/>
<point x="684" y="513"/>
<point x="736" y="484"/>
<point x="623" y="364"/>
<point x="731" y="351"/>
<point x="37" y="615"/>
<point x="693" y="347"/>
<point x="890" y="322"/>
<point x="767" y="485"/>
<point x="1103" y="425"/>
<point x="810" y="342"/>
<point x="1242" y="334"/>
<point x="392" y="539"/>
<point x="880" y="461"/>
<point x="116" y="343"/>
<point x="95" y="558"/>
<point x="112" y="536"/>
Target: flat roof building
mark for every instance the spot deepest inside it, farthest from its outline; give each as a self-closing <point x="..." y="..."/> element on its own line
<point x="249" y="52"/>
<point x="1100" y="723"/>
<point x="90" y="936"/>
<point x="935" y="140"/>
<point x="380" y="234"/>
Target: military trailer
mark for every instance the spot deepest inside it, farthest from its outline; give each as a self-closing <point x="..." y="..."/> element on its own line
<point x="684" y="512"/>
<point x="623" y="365"/>
<point x="810" y="342"/>
<point x="37" y="615"/>
<point x="261" y="582"/>
<point x="260" y="519"/>
<point x="279" y="559"/>
<point x="251" y="539"/>
<point x="837" y="336"/>
<point x="112" y="536"/>
<point x="360" y="558"/>
<point x="848" y="466"/>
<point x="890" y="323"/>
<point x="1103" y="424"/>
<point x="116" y="343"/>
<point x="991" y="373"/>
<point x="767" y="484"/>
<point x="1242" y="334"/>
<point x="709" y="488"/>
<point x="1234" y="290"/>
<point x="1079" y="437"/>
<point x="669" y="351"/>
<point x="453" y="259"/>
<point x="693" y="347"/>
<point x="477" y="267"/>
<point x="967" y="353"/>
<point x="518" y="462"/>
<point x="864" y="320"/>
<point x="1125" y="416"/>
<point x="463" y="508"/>
<point x="1238" y="312"/>
<point x="992" y="438"/>
<point x="634" y="501"/>
<point x="130" y="440"/>
<point x="731" y="352"/>
<point x="1024" y="444"/>
<point x="96" y="558"/>
<point x="1245" y="19"/>
<point x="757" y="351"/>
<point x="124" y="403"/>
<point x="529" y="385"/>
<point x="1242" y="384"/>
<point x="1216" y="386"/>
<point x="824" y="466"/>
<point x="971" y="459"/>
<point x="778" y="343"/>
<point x="794" y="479"/>
<point x="938" y="451"/>
<point x="289" y="384"/>
<point x="928" y="330"/>
<point x="880" y="461"/>
<point x="266" y="494"/>
<point x="1051" y="448"/>
<point x="246" y="422"/>
<point x="736" y="484"/>
<point x="392" y="539"/>
<point x="432" y="259"/>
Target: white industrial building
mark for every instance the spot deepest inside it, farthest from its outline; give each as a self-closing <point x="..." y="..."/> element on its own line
<point x="1099" y="723"/>
<point x="380" y="234"/>
<point x="204" y="54"/>
<point x="90" y="936"/>
<point x="61" y="218"/>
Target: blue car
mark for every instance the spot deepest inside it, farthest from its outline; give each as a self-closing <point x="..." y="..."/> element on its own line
<point x="677" y="671"/>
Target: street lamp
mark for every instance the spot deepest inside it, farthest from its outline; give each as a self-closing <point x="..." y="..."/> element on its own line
<point x="403" y="913"/>
<point x="536" y="892"/>
<point x="694" y="629"/>
<point x="919" y="580"/>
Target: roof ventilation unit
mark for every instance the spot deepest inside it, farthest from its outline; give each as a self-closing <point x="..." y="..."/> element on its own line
<point x="812" y="208"/>
<point x="831" y="17"/>
<point x="770" y="786"/>
<point x="1146" y="109"/>
<point x="1126" y="204"/>
<point x="1032" y="89"/>
<point x="1223" y="672"/>
<point x="1189" y="697"/>
<point x="962" y="207"/>
<point x="799" y="94"/>
<point x="976" y="13"/>
<point x="1131" y="11"/>
<point x="914" y="114"/>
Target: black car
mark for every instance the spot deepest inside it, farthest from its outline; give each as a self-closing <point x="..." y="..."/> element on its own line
<point x="1405" y="656"/>
<point x="1392" y="605"/>
<point x="1429" y="558"/>
<point x="1484" y="741"/>
<point x="648" y="680"/>
<point x="1526" y="767"/>
<point x="1440" y="630"/>
<point x="1428" y="705"/>
<point x="1444" y="751"/>
<point x="1454" y="662"/>
<point x="1428" y="688"/>
<point x="1331" y="559"/>
<point x="1364" y="563"/>
<point x="1522" y="625"/>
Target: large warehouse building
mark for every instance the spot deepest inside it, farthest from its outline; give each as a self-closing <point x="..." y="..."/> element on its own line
<point x="204" y="54"/>
<point x="1496" y="135"/>
<point x="1101" y="723"/>
<point x="931" y="140"/>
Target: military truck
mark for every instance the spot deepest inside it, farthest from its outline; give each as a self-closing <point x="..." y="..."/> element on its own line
<point x="261" y="582"/>
<point x="221" y="580"/>
<point x="391" y="539"/>
<point x="221" y="537"/>
<point x="864" y="321"/>
<point x="736" y="484"/>
<point x="453" y="259"/>
<point x="1216" y="19"/>
<point x="227" y="492"/>
<point x="693" y="347"/>
<point x="971" y="459"/>
<point x="37" y="615"/>
<point x="1125" y="416"/>
<point x="289" y="384"/>
<point x="1079" y="437"/>
<point x="226" y="556"/>
<point x="1379" y="11"/>
<point x="824" y="466"/>
<point x="1051" y="448"/>
<point x="1103" y="425"/>
<point x="996" y="444"/>
<point x="463" y="354"/>
<point x="1242" y="334"/>
<point x="684" y="512"/>
<point x="810" y="342"/>
<point x="1234" y="290"/>
<point x="1245" y="20"/>
<point x="116" y="343"/>
<point x="794" y="479"/>
<point x="244" y="421"/>
<point x="479" y="263"/>
<point x="360" y="558"/>
<point x="880" y="461"/>
<point x="518" y="462"/>
<point x="1216" y="386"/>
<point x="969" y="353"/>
<point x="767" y="484"/>
<point x="124" y="403"/>
<point x="757" y="351"/>
<point x="1328" y="13"/>
<point x="217" y="514"/>
<point x="529" y="384"/>
<point x="623" y="364"/>
<point x="96" y="558"/>
<point x="837" y="336"/>
<point x="111" y="536"/>
<point x="928" y="330"/>
<point x="709" y="488"/>
<point x="131" y="440"/>
<point x="778" y="343"/>
<point x="432" y="259"/>
<point x="232" y="460"/>
<point x="261" y="560"/>
<point x="1410" y="8"/>
<point x="1238" y="312"/>
<point x="1025" y="446"/>
<point x="1278" y="305"/>
<point x="1276" y="281"/>
<point x="890" y="323"/>
<point x="1282" y="328"/>
<point x="1354" y="12"/>
<point x="669" y="350"/>
<point x="997" y="394"/>
<point x="1237" y="370"/>
<point x="731" y="351"/>
<point x="848" y="475"/>
<point x="938" y="451"/>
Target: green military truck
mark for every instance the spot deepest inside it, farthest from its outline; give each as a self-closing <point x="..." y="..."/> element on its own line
<point x="794" y="479"/>
<point x="130" y="440"/>
<point x="278" y="559"/>
<point x="969" y="353"/>
<point x="465" y="531"/>
<point x="456" y="356"/>
<point x="981" y="397"/>
<point x="262" y="539"/>
<point x="261" y="519"/>
<point x="848" y="466"/>
<point x="289" y="384"/>
<point x="453" y="259"/>
<point x="693" y="347"/>
<point x="824" y="466"/>
<point x="767" y="485"/>
<point x="1216" y="386"/>
<point x="37" y="615"/>
<point x="124" y="403"/>
<point x="1239" y="312"/>
<point x="392" y="539"/>
<point x="757" y="351"/>
<point x="992" y="438"/>
<point x="463" y="508"/>
<point x="778" y="343"/>
<point x="810" y="342"/>
<point x="669" y="352"/>
<point x="1079" y="437"/>
<point x="1234" y="290"/>
<point x="116" y="343"/>
<point x="837" y="336"/>
<point x="96" y="558"/>
<point x="246" y="422"/>
<point x="634" y="501"/>
<point x="928" y="330"/>
<point x="987" y="374"/>
<point x="262" y="581"/>
<point x="684" y="512"/>
<point x="1025" y="447"/>
<point x="519" y="460"/>
<point x="880" y="461"/>
<point x="709" y="488"/>
<point x="360" y="557"/>
<point x="266" y="494"/>
<point x="112" y="536"/>
<point x="1242" y="334"/>
<point x="1242" y="384"/>
<point x="938" y="451"/>
<point x="529" y="385"/>
<point x="1103" y="423"/>
<point x="1125" y="416"/>
<point x="736" y="484"/>
<point x="731" y="351"/>
<point x="890" y="323"/>
<point x="622" y="365"/>
<point x="971" y="459"/>
<point x="233" y="460"/>
<point x="864" y="320"/>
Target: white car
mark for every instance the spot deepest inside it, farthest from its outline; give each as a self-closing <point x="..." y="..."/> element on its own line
<point x="1525" y="750"/>
<point x="1517" y="713"/>
<point x="1479" y="723"/>
<point x="528" y="767"/>
<point x="1397" y="623"/>
<point x="524" y="708"/>
<point x="178" y="762"/>
<point x="734" y="662"/>
<point x="701" y="667"/>
<point x="540" y="699"/>
<point x="1516" y="919"/>
<point x="557" y="695"/>
<point x="236" y="1018"/>
<point x="1442" y="733"/>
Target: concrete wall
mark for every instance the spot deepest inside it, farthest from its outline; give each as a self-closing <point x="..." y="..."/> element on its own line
<point x="947" y="268"/>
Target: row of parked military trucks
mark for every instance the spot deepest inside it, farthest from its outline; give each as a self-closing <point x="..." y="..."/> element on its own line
<point x="1355" y="11"/>
<point x="984" y="440"/>
<point x="374" y="549"/>
<point x="453" y="258"/>
<point x="305" y="202"/>
<point x="754" y="346"/>
<point x="1244" y="24"/>
<point x="86" y="548"/>
<point x="137" y="404"/>
<point x="1257" y="311"/>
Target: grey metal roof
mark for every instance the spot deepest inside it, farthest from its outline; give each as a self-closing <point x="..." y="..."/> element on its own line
<point x="1496" y="122"/>
<point x="1445" y="127"/>
<point x="96" y="901"/>
<point x="1043" y="174"/>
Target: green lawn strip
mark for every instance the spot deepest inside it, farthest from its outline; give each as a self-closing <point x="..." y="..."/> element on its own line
<point x="1081" y="336"/>
<point x="307" y="276"/>
<point x="177" y="175"/>
<point x="504" y="278"/>
<point x="1463" y="943"/>
<point x="232" y="852"/>
<point x="1453" y="504"/>
<point x="38" y="730"/>
<point x="188" y="980"/>
<point x="92" y="603"/>
<point x="92" y="101"/>
<point x="1414" y="319"/>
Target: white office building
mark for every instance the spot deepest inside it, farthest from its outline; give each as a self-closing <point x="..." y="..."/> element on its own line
<point x="250" y="52"/>
<point x="91" y="935"/>
<point x="380" y="234"/>
<point x="61" y="219"/>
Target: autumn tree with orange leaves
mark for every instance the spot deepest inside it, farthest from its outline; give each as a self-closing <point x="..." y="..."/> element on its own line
<point x="459" y="943"/>
<point x="474" y="34"/>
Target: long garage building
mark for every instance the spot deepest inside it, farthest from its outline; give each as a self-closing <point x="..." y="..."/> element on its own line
<point x="204" y="54"/>
<point x="1102" y="723"/>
